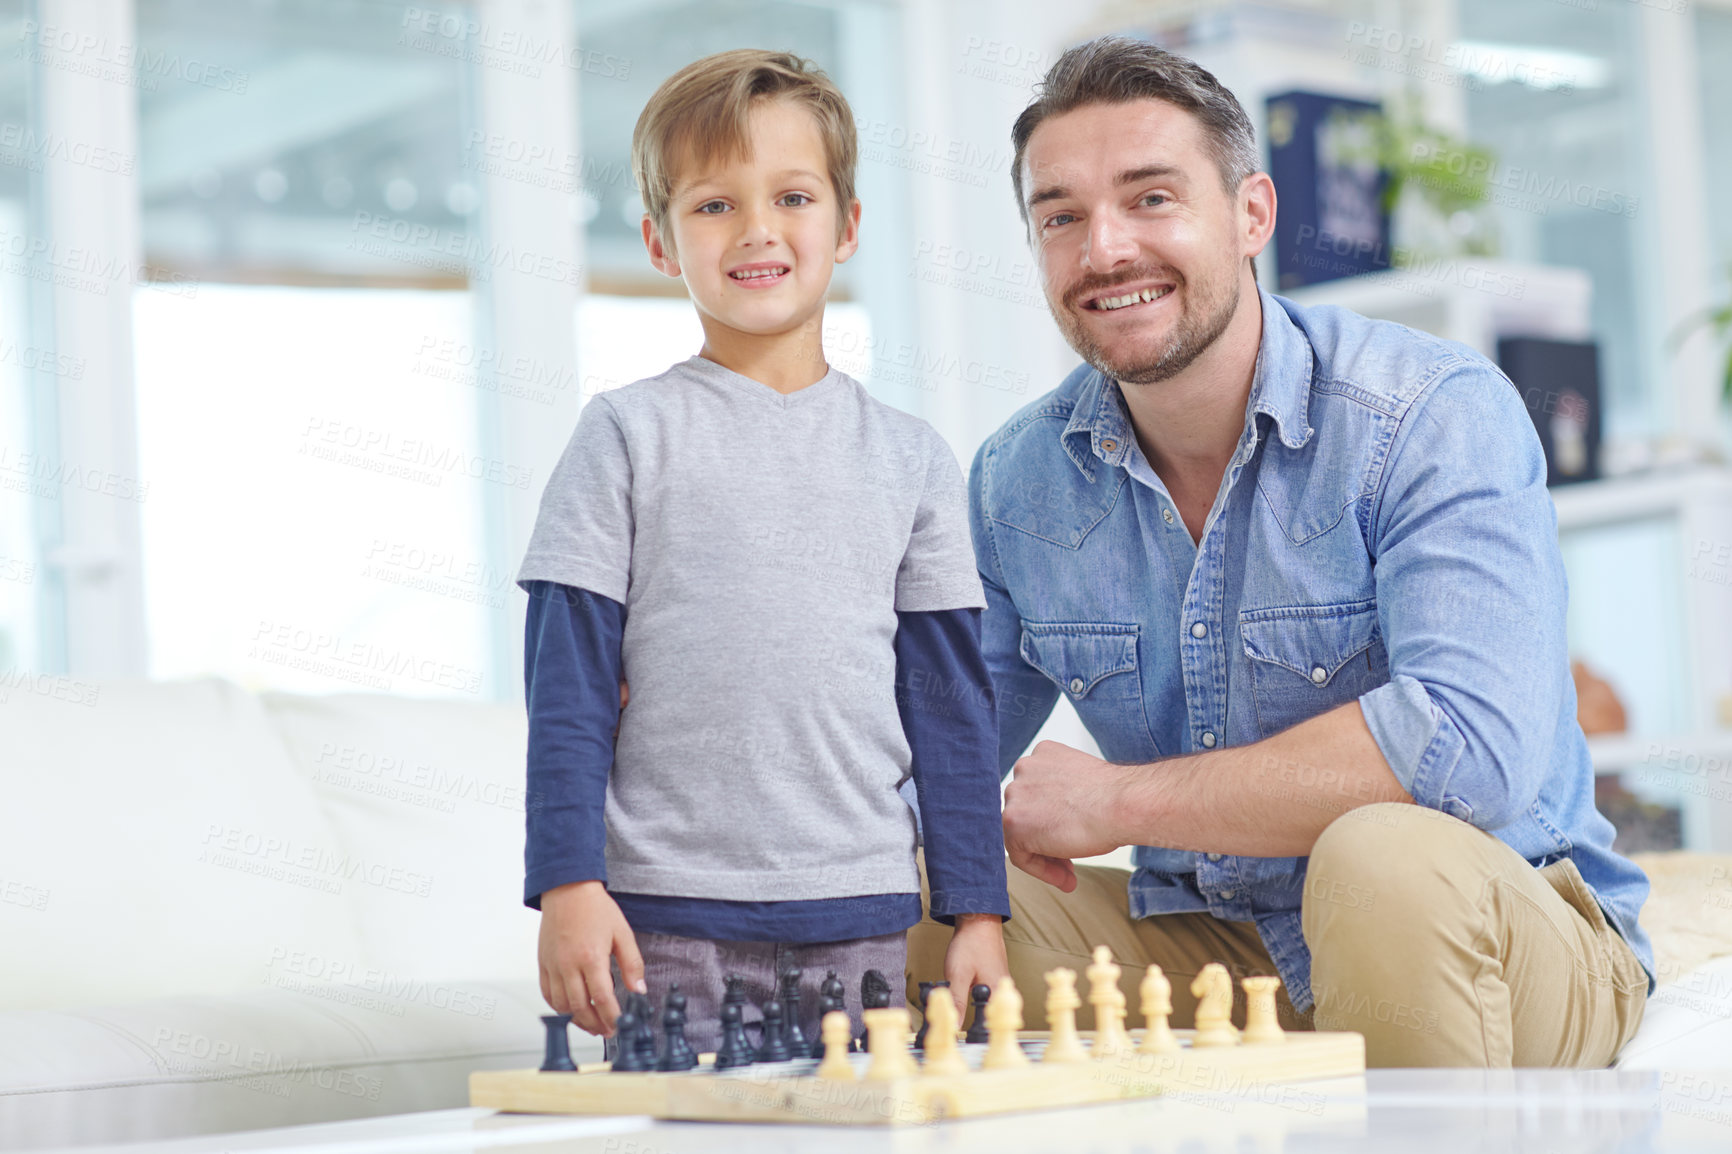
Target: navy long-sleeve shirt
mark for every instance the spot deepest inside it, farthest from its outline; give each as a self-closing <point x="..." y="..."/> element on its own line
<point x="944" y="696"/>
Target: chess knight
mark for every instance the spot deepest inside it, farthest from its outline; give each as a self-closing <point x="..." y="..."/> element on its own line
<point x="1298" y="573"/>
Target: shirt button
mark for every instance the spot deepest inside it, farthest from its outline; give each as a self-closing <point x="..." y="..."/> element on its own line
<point x="1319" y="675"/>
<point x="1076" y="685"/>
<point x="1208" y="740"/>
<point x="1110" y="446"/>
<point x="1214" y="857"/>
<point x="1167" y="516"/>
<point x="1199" y="630"/>
<point x="1226" y="895"/>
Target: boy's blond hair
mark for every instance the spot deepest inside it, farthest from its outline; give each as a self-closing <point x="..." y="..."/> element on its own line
<point x="700" y="115"/>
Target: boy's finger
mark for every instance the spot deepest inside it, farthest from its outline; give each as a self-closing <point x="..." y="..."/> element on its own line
<point x="630" y="961"/>
<point x="606" y="1010"/>
<point x="581" y="1011"/>
<point x="553" y="989"/>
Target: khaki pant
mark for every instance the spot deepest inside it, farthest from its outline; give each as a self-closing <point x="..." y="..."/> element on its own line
<point x="1427" y="935"/>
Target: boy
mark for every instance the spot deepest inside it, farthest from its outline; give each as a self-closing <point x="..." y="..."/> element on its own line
<point x="780" y="567"/>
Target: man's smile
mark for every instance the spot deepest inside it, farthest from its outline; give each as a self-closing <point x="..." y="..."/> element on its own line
<point x="1118" y="298"/>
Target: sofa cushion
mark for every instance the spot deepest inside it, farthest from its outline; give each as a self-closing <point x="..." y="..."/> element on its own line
<point x="265" y="1058"/>
<point x="434" y="790"/>
<point x="155" y="840"/>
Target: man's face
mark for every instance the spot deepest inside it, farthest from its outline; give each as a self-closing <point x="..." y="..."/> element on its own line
<point x="756" y="239"/>
<point x="1140" y="248"/>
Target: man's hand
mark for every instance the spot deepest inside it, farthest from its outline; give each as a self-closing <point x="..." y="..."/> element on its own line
<point x="581" y="928"/>
<point x="975" y="955"/>
<point x="1057" y="807"/>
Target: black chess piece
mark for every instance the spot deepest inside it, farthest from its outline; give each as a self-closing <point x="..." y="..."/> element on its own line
<point x="791" y="1032"/>
<point x="735" y="1049"/>
<point x="625" y="1032"/>
<point x="558" y="1055"/>
<point x="920" y="1034"/>
<point x="734" y="992"/>
<point x="645" y="1033"/>
<point x="979" y="995"/>
<point x="677" y="1053"/>
<point x="833" y="995"/>
<point x="775" y="1045"/>
<point x="874" y="995"/>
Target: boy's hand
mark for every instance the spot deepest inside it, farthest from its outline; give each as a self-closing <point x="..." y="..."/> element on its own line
<point x="624" y="696"/>
<point x="581" y="928"/>
<point x="976" y="955"/>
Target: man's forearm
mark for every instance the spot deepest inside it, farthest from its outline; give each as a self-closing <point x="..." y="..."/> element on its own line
<point x="1271" y="798"/>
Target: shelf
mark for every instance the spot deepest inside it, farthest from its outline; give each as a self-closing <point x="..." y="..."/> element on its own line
<point x="1590" y="504"/>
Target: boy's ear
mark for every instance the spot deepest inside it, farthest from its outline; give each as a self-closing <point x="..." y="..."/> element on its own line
<point x="849" y="241"/>
<point x="661" y="254"/>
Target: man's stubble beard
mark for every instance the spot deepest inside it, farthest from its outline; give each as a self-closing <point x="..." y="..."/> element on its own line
<point x="1196" y="330"/>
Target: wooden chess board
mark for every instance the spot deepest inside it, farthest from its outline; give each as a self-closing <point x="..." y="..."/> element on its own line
<point x="790" y="1091"/>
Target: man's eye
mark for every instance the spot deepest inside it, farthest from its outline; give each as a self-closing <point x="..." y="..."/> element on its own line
<point x="1058" y="218"/>
<point x="1155" y="197"/>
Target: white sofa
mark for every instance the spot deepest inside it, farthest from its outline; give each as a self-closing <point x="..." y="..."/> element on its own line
<point x="224" y="911"/>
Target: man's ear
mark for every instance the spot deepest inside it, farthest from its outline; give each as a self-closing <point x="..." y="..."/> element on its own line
<point x="1256" y="212"/>
<point x="849" y="241"/>
<point x="661" y="253"/>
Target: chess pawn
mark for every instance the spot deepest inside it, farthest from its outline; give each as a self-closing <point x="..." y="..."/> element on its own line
<point x="887" y="1041"/>
<point x="980" y="995"/>
<point x="677" y="1053"/>
<point x="1062" y="1003"/>
<point x="1213" y="990"/>
<point x="627" y="1060"/>
<point x="942" y="1055"/>
<point x="774" y="1047"/>
<point x="1261" y="1027"/>
<point x="837" y="1035"/>
<point x="735" y="1050"/>
<point x="1158" y="1036"/>
<point x="1003" y="1020"/>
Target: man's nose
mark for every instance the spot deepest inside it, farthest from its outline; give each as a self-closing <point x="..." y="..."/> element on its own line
<point x="1110" y="243"/>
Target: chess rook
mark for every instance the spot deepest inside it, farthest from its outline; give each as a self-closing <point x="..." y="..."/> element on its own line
<point x="558" y="1054"/>
<point x="1261" y="1028"/>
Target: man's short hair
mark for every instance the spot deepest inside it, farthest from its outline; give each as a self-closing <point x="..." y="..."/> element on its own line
<point x="701" y="114"/>
<point x="1117" y="70"/>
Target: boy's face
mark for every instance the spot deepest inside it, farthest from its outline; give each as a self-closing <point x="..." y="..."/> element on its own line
<point x="756" y="240"/>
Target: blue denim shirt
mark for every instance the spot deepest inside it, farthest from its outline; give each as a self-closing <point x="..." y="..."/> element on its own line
<point x="1383" y="534"/>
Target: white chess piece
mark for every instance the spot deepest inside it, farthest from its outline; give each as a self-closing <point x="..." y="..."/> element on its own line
<point x="1213" y="989"/>
<point x="1158" y="1036"/>
<point x="1109" y="1004"/>
<point x="887" y="1042"/>
<point x="1062" y="1003"/>
<point x="837" y="1034"/>
<point x="1003" y="1020"/>
<point x="1261" y="1026"/>
<point x="942" y="1056"/>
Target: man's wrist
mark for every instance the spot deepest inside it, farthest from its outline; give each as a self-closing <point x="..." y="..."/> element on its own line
<point x="964" y="921"/>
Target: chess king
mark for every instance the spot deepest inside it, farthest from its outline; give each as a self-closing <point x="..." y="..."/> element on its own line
<point x="1298" y="573"/>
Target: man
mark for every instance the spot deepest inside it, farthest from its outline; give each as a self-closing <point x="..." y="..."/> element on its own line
<point x="1298" y="573"/>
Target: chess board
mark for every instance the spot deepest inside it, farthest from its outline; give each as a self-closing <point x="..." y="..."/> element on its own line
<point x="791" y="1091"/>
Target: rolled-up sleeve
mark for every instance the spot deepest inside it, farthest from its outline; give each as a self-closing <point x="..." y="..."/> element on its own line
<point x="1471" y="602"/>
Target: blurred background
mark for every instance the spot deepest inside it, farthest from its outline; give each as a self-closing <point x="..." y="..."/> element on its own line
<point x="299" y="300"/>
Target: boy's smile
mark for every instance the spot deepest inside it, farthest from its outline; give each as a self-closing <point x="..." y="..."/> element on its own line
<point x="757" y="238"/>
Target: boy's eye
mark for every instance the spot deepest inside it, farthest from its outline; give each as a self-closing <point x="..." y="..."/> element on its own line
<point x="799" y="197"/>
<point x="718" y="205"/>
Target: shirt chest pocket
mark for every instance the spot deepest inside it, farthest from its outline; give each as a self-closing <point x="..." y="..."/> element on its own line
<point x="1308" y="659"/>
<point x="1095" y="666"/>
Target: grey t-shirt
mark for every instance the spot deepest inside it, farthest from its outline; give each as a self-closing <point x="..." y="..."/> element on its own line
<point x="762" y="545"/>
